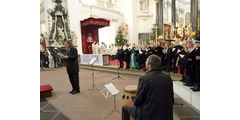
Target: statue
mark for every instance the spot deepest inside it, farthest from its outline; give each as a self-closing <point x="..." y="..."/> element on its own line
<point x="47" y="39"/>
<point x="55" y="44"/>
<point x="124" y="29"/>
<point x="60" y="33"/>
<point x="180" y="29"/>
<point x="144" y="5"/>
<point x="74" y="38"/>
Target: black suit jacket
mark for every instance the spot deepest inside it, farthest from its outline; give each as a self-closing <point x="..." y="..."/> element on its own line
<point x="120" y="54"/>
<point x="72" y="61"/>
<point x="154" y="99"/>
<point x="127" y="54"/>
<point x="158" y="51"/>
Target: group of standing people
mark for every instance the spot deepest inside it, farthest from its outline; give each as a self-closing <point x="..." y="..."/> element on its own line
<point x="99" y="49"/>
<point x="178" y="57"/>
<point x="185" y="59"/>
<point x="136" y="56"/>
<point x="48" y="55"/>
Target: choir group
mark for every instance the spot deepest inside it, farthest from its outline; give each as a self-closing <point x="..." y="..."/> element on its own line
<point x="178" y="57"/>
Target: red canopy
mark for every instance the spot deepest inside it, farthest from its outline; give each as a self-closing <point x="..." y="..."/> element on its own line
<point x="95" y="22"/>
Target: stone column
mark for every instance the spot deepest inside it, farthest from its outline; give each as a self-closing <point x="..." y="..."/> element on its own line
<point x="160" y="17"/>
<point x="194" y="14"/>
<point x="157" y="14"/>
<point x="173" y="13"/>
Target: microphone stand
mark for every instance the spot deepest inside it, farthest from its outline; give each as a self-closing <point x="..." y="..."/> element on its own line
<point x="118" y="77"/>
<point x="114" y="107"/>
<point x="93" y="84"/>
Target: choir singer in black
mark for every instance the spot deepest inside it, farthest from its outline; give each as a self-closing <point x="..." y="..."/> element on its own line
<point x="127" y="54"/>
<point x="120" y="55"/>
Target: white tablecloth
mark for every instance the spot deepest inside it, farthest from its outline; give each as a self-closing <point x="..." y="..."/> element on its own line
<point x="86" y="58"/>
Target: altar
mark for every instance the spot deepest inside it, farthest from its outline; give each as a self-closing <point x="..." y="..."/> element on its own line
<point x="102" y="59"/>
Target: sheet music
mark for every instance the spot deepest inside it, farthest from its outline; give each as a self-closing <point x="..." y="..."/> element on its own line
<point x="111" y="88"/>
<point x="93" y="60"/>
<point x="60" y="54"/>
<point x="140" y="51"/>
<point x="173" y="49"/>
<point x="178" y="51"/>
<point x="105" y="93"/>
<point x="181" y="55"/>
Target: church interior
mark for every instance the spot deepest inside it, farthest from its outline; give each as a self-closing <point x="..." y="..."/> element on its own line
<point x="102" y="32"/>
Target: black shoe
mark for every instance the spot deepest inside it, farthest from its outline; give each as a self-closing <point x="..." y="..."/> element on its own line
<point x="193" y="87"/>
<point x="196" y="89"/>
<point x="190" y="84"/>
<point x="75" y="92"/>
<point x="186" y="83"/>
<point x="71" y="91"/>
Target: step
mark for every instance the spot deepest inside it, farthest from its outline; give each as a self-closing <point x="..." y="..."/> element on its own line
<point x="114" y="69"/>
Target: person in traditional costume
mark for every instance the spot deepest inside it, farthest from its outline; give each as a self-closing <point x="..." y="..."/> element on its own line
<point x="96" y="48"/>
<point x="103" y="49"/>
<point x="112" y="49"/>
<point x="134" y="64"/>
<point x="93" y="47"/>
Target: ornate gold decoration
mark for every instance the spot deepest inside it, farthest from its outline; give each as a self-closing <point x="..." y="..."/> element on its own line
<point x="160" y="37"/>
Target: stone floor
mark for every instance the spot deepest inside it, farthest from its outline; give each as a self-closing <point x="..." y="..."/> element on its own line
<point x="49" y="112"/>
<point x="91" y="105"/>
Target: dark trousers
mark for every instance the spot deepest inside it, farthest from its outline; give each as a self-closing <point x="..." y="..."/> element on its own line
<point x="121" y="63"/>
<point x="128" y="110"/>
<point x="197" y="82"/>
<point x="74" y="80"/>
<point x="127" y="64"/>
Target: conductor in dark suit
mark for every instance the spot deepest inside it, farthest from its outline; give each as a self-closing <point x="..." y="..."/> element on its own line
<point x="154" y="99"/>
<point x="72" y="67"/>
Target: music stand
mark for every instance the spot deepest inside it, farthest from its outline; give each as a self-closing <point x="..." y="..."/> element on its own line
<point x="93" y="84"/>
<point x="110" y="88"/>
<point x="118" y="77"/>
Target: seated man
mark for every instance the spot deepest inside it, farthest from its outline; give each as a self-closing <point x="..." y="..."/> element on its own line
<point x="154" y="99"/>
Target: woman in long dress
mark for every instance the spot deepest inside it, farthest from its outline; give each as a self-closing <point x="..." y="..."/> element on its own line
<point x="134" y="64"/>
